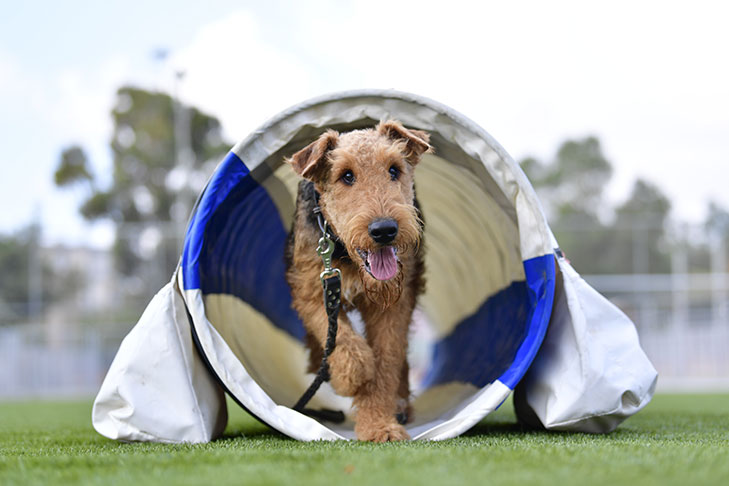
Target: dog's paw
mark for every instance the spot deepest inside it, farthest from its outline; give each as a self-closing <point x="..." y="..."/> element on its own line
<point x="351" y="365"/>
<point x="403" y="412"/>
<point x="387" y="432"/>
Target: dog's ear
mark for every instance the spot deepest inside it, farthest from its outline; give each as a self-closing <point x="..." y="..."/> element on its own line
<point x="416" y="141"/>
<point x="310" y="162"/>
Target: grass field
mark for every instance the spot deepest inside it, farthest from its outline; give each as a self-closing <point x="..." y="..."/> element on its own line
<point x="677" y="439"/>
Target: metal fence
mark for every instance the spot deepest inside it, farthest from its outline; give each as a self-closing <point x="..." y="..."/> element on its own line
<point x="682" y="323"/>
<point x="34" y="364"/>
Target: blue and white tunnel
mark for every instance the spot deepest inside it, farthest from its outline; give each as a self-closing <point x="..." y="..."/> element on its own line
<point x="490" y="270"/>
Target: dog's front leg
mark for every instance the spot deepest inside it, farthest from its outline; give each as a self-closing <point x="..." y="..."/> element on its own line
<point x="351" y="364"/>
<point x="376" y="402"/>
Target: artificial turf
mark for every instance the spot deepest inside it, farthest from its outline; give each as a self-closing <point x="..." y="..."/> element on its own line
<point x="677" y="439"/>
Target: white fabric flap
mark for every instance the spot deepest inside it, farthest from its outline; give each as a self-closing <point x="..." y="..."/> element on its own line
<point x="590" y="373"/>
<point x="157" y="388"/>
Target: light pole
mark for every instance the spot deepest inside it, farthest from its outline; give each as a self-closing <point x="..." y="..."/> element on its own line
<point x="184" y="159"/>
<point x="183" y="153"/>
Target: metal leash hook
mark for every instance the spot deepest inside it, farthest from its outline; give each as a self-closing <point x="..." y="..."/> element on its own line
<point x="325" y="250"/>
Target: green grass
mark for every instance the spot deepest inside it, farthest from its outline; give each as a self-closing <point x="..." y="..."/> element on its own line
<point x="677" y="439"/>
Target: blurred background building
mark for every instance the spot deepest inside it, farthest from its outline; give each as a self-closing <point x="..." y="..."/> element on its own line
<point x="108" y="138"/>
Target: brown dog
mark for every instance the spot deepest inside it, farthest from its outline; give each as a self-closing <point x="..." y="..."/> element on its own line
<point x="363" y="182"/>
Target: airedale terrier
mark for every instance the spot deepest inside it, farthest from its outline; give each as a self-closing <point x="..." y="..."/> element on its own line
<point x="363" y="183"/>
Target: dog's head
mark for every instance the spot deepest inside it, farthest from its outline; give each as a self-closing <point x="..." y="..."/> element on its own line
<point x="366" y="184"/>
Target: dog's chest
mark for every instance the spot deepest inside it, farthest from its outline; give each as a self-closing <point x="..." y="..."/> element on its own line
<point x="352" y="288"/>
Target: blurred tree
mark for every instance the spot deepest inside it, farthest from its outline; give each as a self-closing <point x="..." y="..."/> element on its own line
<point x="571" y="189"/>
<point x="574" y="182"/>
<point x="640" y="232"/>
<point x="26" y="282"/>
<point x="162" y="155"/>
<point x="717" y="226"/>
<point x="73" y="167"/>
<point x="717" y="220"/>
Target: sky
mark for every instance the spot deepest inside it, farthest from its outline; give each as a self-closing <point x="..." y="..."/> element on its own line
<point x="649" y="79"/>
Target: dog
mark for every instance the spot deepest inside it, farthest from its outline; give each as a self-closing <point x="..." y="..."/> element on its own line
<point x="363" y="184"/>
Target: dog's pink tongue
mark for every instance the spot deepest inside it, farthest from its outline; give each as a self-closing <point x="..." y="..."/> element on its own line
<point x="383" y="263"/>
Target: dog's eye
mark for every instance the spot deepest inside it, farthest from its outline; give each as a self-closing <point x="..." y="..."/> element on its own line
<point x="347" y="178"/>
<point x="394" y="173"/>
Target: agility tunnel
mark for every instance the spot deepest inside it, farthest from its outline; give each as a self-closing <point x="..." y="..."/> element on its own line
<point x="496" y="286"/>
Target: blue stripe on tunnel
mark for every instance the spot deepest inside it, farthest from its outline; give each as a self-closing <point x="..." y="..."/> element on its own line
<point x="500" y="340"/>
<point x="482" y="346"/>
<point x="235" y="245"/>
<point x="230" y="172"/>
<point x="243" y="255"/>
<point x="541" y="279"/>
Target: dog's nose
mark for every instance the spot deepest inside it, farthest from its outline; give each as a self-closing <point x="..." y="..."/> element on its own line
<point x="383" y="231"/>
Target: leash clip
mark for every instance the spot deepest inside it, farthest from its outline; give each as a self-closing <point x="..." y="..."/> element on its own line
<point x="325" y="250"/>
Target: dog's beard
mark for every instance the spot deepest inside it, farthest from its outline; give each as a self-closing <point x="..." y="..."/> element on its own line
<point x="384" y="293"/>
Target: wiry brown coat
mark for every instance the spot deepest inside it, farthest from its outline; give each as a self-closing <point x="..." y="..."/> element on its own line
<point x="374" y="369"/>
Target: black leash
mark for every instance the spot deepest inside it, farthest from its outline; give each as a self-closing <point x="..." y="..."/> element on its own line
<point x="331" y="282"/>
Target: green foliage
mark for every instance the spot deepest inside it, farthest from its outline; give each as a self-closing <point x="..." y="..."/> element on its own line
<point x="717" y="221"/>
<point x="73" y="167"/>
<point x="144" y="150"/>
<point x="571" y="188"/>
<point x="677" y="439"/>
<point x="645" y="199"/>
<point x="702" y="256"/>
<point x="98" y="205"/>
<point x="643" y="219"/>
<point x="573" y="183"/>
<point x="19" y="261"/>
<point x="14" y="278"/>
<point x="144" y="193"/>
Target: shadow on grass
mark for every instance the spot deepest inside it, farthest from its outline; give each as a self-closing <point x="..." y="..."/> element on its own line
<point x="514" y="431"/>
<point x="501" y="429"/>
<point x="257" y="431"/>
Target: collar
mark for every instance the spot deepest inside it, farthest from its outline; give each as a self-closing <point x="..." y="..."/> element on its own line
<point x="340" y="251"/>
